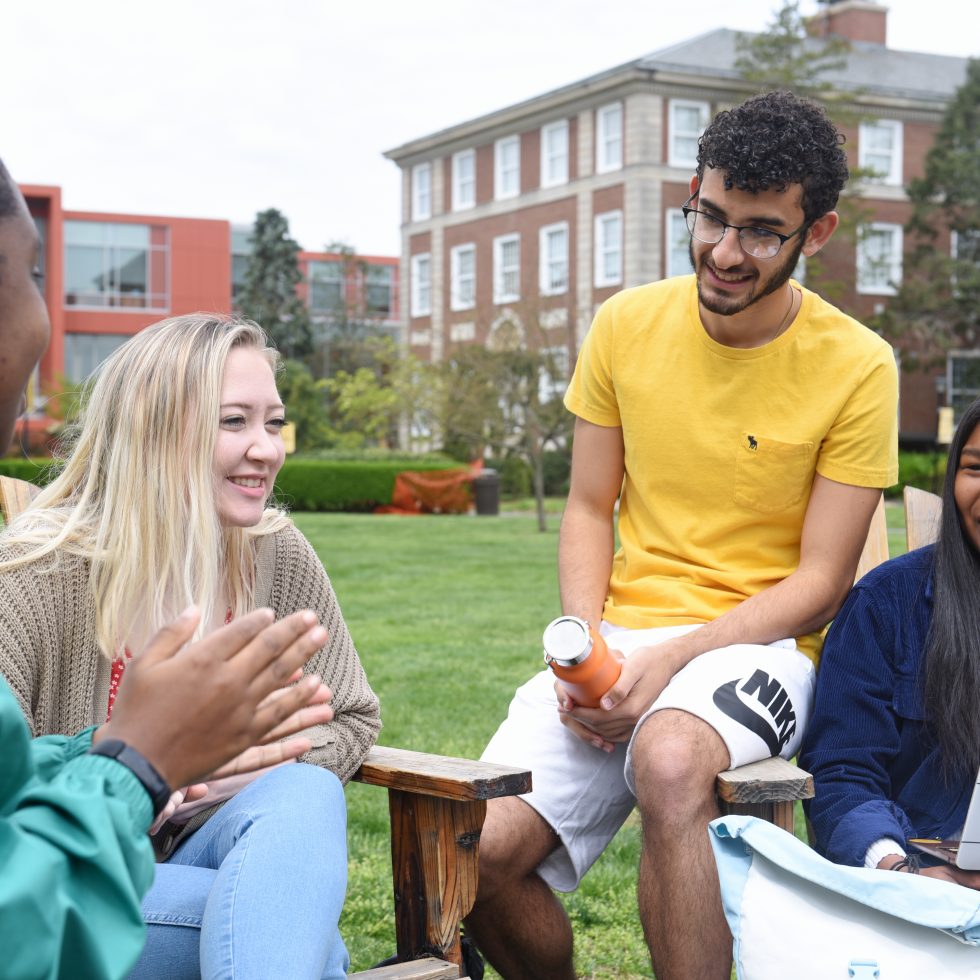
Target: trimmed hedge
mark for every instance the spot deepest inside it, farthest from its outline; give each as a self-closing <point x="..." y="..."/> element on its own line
<point x="922" y="470"/>
<point x="302" y="484"/>
<point x="348" y="485"/>
<point x="307" y="483"/>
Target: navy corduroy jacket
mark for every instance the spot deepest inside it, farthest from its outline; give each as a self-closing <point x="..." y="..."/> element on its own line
<point x="876" y="768"/>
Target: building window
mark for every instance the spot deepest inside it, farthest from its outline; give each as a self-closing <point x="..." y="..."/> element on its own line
<point x="379" y="283"/>
<point x="962" y="380"/>
<point x="325" y="286"/>
<point x="507" y="168"/>
<point x="462" y="277"/>
<point x="964" y="249"/>
<point x="464" y="179"/>
<point x="84" y="352"/>
<point x="880" y="149"/>
<point x="554" y="154"/>
<point x="507" y="268"/>
<point x="422" y="192"/>
<point x="678" y="245"/>
<point x="421" y="299"/>
<point x="687" y="121"/>
<point x="116" y="265"/>
<point x="553" y="245"/>
<point x="552" y="373"/>
<point x="609" y="138"/>
<point x="879" y="259"/>
<point x="609" y="248"/>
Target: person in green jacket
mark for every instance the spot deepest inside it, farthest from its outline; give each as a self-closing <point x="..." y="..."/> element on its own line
<point x="75" y="811"/>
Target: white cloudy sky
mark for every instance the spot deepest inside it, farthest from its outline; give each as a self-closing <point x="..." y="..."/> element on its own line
<point x="219" y="108"/>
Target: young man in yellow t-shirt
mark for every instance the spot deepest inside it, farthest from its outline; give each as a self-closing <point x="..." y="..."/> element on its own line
<point x="747" y="428"/>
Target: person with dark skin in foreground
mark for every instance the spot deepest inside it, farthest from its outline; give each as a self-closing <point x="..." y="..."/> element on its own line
<point x="74" y="848"/>
<point x="746" y="428"/>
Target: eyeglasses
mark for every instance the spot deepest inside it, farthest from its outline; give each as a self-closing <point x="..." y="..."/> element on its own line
<point x="757" y="242"/>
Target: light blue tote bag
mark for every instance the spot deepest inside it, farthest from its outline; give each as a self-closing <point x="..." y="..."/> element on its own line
<point x="794" y="914"/>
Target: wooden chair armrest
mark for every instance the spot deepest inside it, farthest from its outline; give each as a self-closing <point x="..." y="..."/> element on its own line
<point x="440" y="775"/>
<point x="437" y="806"/>
<point x="428" y="968"/>
<point x="768" y="781"/>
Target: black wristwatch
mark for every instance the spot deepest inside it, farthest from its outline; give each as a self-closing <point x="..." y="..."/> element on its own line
<point x="139" y="766"/>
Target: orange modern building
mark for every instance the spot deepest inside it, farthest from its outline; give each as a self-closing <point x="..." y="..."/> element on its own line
<point x="107" y="276"/>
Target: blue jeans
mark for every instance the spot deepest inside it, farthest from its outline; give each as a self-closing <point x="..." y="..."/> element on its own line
<point x="258" y="890"/>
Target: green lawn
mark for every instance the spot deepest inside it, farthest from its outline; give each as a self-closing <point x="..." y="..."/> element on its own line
<point x="447" y="614"/>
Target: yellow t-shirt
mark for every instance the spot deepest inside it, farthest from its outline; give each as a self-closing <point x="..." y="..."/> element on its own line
<point x="722" y="445"/>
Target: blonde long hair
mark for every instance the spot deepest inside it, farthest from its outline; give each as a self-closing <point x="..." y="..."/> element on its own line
<point x="137" y="494"/>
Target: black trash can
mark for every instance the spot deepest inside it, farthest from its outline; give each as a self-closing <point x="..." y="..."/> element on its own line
<point x="486" y="492"/>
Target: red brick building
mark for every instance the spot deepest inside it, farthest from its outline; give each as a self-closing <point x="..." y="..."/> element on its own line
<point x="531" y="216"/>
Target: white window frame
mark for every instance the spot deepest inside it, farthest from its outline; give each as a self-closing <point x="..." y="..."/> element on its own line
<point x="672" y="218"/>
<point x="892" y="263"/>
<point x="605" y="162"/>
<point x="462" y="286"/>
<point x="603" y="248"/>
<point x="893" y="175"/>
<point x="422" y="191"/>
<point x="500" y="295"/>
<point x="958" y="397"/>
<point x="547" y="157"/>
<point x="674" y="157"/>
<point x="464" y="190"/>
<point x="421" y="288"/>
<point x="545" y="261"/>
<point x="506" y="176"/>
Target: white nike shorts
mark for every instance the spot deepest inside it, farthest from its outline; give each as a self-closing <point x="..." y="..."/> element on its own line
<point x="758" y="698"/>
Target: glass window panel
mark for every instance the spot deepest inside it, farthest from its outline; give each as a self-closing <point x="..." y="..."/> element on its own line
<point x="84" y="270"/>
<point x="130" y="274"/>
<point x="130" y="235"/>
<point x="85" y="233"/>
<point x="85" y="352"/>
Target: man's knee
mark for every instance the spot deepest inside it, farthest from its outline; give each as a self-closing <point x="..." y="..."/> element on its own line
<point x="514" y="841"/>
<point x="676" y="757"/>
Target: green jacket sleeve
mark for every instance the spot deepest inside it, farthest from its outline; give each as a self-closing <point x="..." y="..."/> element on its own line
<point x="75" y="856"/>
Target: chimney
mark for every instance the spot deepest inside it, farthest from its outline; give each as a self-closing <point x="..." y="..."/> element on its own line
<point x="854" y="20"/>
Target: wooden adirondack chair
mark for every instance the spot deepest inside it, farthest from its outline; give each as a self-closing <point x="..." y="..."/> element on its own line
<point x="923" y="511"/>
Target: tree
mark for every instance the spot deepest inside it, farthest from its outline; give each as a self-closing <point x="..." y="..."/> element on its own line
<point x="271" y="277"/>
<point x="306" y="400"/>
<point x="346" y="335"/>
<point x="937" y="307"/>
<point x="507" y="397"/>
<point x="785" y="56"/>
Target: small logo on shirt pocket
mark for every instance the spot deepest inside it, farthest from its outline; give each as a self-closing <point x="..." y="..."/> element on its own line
<point x="770" y="475"/>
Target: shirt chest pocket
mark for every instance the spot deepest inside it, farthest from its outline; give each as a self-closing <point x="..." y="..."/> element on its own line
<point x="770" y="475"/>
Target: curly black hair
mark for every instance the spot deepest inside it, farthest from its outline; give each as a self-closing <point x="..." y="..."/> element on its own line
<point x="774" y="140"/>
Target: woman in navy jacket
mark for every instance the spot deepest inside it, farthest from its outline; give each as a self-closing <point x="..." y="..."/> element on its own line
<point x="894" y="742"/>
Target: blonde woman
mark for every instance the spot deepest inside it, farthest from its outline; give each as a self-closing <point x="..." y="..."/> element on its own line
<point x="163" y="503"/>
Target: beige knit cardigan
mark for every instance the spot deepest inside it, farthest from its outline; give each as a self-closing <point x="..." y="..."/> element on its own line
<point x="49" y="654"/>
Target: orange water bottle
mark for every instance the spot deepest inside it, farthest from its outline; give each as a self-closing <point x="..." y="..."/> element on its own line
<point x="580" y="658"/>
